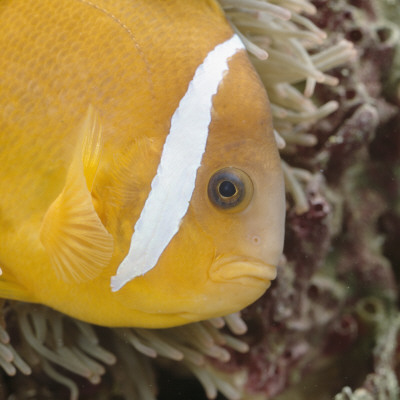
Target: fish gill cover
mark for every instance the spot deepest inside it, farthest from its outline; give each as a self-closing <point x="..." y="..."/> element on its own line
<point x="329" y="325"/>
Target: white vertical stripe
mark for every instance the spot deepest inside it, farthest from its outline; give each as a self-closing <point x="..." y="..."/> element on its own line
<point x="173" y="185"/>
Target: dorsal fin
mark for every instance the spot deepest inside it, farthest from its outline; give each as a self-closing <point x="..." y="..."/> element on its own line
<point x="72" y="233"/>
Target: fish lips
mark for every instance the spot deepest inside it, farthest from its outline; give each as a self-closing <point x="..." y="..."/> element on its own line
<point x="242" y="270"/>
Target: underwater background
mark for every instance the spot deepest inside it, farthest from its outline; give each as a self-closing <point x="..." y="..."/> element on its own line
<point x="328" y="328"/>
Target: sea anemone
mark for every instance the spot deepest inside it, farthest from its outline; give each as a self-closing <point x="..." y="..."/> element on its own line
<point x="329" y="68"/>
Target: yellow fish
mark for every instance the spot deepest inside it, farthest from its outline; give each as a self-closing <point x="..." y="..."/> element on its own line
<point x="140" y="183"/>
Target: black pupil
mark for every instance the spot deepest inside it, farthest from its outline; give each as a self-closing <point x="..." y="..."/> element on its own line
<point x="227" y="189"/>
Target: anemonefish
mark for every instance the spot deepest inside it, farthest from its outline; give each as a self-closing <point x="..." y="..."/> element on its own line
<point x="140" y="182"/>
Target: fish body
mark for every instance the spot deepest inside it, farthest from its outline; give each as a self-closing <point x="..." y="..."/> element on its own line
<point x="100" y="218"/>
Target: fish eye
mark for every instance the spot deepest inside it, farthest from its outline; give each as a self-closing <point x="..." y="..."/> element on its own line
<point x="230" y="189"/>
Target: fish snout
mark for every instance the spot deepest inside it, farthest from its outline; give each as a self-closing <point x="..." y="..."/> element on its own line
<point x="242" y="270"/>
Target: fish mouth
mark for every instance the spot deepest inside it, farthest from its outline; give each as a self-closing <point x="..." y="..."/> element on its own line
<point x="242" y="270"/>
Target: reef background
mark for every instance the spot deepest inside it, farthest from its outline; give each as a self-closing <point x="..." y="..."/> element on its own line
<point x="329" y="325"/>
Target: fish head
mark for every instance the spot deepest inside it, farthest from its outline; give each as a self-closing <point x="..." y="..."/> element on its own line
<point x="225" y="253"/>
<point x="239" y="199"/>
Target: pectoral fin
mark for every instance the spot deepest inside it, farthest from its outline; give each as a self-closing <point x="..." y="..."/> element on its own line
<point x="91" y="134"/>
<point x="11" y="289"/>
<point x="72" y="233"/>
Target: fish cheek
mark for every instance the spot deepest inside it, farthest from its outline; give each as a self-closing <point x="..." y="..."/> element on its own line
<point x="178" y="283"/>
<point x="255" y="232"/>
